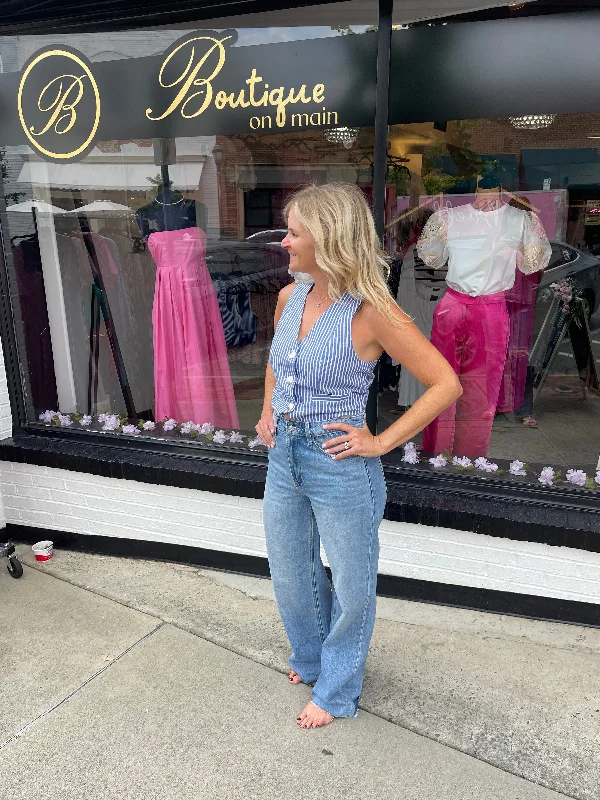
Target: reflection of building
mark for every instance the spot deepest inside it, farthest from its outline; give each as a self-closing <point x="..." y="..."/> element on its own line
<point x="259" y="172"/>
<point x="121" y="172"/>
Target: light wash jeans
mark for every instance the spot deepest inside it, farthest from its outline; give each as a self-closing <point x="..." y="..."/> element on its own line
<point x="309" y="497"/>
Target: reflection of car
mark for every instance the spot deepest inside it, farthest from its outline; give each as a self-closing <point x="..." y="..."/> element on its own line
<point x="582" y="268"/>
<point x="271" y="237"/>
<point x="252" y="259"/>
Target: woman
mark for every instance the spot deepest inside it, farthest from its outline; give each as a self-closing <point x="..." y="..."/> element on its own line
<point x="325" y="480"/>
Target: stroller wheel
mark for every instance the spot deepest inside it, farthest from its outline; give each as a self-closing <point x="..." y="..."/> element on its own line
<point x="14" y="567"/>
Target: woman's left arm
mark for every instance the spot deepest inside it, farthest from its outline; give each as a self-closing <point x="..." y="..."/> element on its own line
<point x="405" y="343"/>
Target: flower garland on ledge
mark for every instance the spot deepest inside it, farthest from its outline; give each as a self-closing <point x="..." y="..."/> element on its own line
<point x="117" y="423"/>
<point x="547" y="477"/>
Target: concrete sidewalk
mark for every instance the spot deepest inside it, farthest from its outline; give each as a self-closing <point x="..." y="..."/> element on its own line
<point x="137" y="679"/>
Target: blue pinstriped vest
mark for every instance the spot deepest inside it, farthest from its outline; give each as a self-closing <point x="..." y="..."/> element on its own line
<point x="320" y="378"/>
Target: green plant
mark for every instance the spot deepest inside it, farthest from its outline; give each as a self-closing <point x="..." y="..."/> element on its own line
<point x="14" y="196"/>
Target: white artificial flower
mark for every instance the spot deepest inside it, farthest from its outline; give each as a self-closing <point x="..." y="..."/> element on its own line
<point x="516" y="468"/>
<point x="547" y="476"/>
<point x="411" y="457"/>
<point x="576" y="476"/>
<point x="462" y="461"/>
<point x="111" y="422"/>
<point x="438" y="461"/>
<point x="485" y="465"/>
<point x="257" y="442"/>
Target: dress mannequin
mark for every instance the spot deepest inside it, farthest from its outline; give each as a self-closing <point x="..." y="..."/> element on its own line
<point x="192" y="379"/>
<point x="169" y="211"/>
<point x="484" y="243"/>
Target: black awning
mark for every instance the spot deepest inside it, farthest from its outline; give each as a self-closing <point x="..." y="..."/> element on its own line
<point x="55" y="16"/>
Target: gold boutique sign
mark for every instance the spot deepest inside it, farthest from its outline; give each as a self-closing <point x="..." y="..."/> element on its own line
<point x="59" y="104"/>
<point x="201" y="85"/>
<point x="195" y="92"/>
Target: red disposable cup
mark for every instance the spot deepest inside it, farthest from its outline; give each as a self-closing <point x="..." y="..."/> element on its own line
<point x="43" y="551"/>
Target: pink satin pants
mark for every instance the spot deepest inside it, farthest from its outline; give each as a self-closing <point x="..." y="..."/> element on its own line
<point x="472" y="335"/>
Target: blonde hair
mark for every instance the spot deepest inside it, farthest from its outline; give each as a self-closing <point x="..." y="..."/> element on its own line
<point x="347" y="248"/>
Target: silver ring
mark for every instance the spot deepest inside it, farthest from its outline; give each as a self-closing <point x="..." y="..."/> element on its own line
<point x="346" y="445"/>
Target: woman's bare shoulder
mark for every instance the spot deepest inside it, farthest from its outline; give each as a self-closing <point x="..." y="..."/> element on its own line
<point x="372" y="317"/>
<point x="282" y="298"/>
<point x="284" y="294"/>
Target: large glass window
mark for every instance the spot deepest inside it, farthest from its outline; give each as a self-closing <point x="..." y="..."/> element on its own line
<point x="493" y="228"/>
<point x="144" y="276"/>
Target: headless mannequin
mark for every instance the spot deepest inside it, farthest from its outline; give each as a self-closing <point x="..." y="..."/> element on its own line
<point x="482" y="331"/>
<point x="488" y="199"/>
<point x="169" y="211"/>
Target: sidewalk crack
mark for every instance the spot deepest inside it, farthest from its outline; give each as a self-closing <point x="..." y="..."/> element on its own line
<point x="75" y="691"/>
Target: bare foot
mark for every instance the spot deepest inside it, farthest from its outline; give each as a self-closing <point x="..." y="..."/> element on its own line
<point x="312" y="716"/>
<point x="529" y="422"/>
<point x="294" y="678"/>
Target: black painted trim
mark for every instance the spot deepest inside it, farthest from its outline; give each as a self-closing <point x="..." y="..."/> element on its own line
<point x="494" y="507"/>
<point x="7" y="326"/>
<point x="382" y="97"/>
<point x="478" y="599"/>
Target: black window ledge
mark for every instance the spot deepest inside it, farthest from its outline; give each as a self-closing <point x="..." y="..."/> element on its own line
<point x="486" y="505"/>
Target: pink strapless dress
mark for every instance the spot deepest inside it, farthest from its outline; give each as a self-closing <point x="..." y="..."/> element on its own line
<point x="191" y="369"/>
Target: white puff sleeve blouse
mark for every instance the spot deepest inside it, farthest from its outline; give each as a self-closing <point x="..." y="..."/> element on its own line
<point x="484" y="248"/>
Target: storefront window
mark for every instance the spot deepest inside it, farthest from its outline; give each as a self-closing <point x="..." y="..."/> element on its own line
<point x="144" y="275"/>
<point x="492" y="225"/>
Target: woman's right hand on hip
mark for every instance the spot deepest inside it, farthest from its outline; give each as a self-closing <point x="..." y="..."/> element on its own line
<point x="266" y="427"/>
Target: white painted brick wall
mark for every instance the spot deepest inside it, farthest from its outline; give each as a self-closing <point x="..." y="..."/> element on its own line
<point x="63" y="500"/>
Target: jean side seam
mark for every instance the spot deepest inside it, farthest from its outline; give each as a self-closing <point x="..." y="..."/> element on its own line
<point x="313" y="578"/>
<point x="370" y="552"/>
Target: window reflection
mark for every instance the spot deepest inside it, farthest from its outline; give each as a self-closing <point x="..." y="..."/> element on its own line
<point x="495" y="242"/>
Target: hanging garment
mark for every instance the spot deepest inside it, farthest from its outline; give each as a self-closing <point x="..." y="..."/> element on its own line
<point x="418" y="299"/>
<point x="138" y="276"/>
<point x="484" y="248"/>
<point x="36" y="332"/>
<point x="247" y="317"/>
<point x="227" y="314"/>
<point x="191" y="371"/>
<point x="520" y="304"/>
<point x="472" y="335"/>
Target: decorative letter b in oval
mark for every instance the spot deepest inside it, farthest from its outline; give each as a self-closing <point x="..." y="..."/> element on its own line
<point x="59" y="104"/>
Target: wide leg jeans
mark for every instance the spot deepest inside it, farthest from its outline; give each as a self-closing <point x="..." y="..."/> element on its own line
<point x="311" y="498"/>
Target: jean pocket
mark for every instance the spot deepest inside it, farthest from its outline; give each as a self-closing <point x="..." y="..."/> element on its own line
<point x="319" y="440"/>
